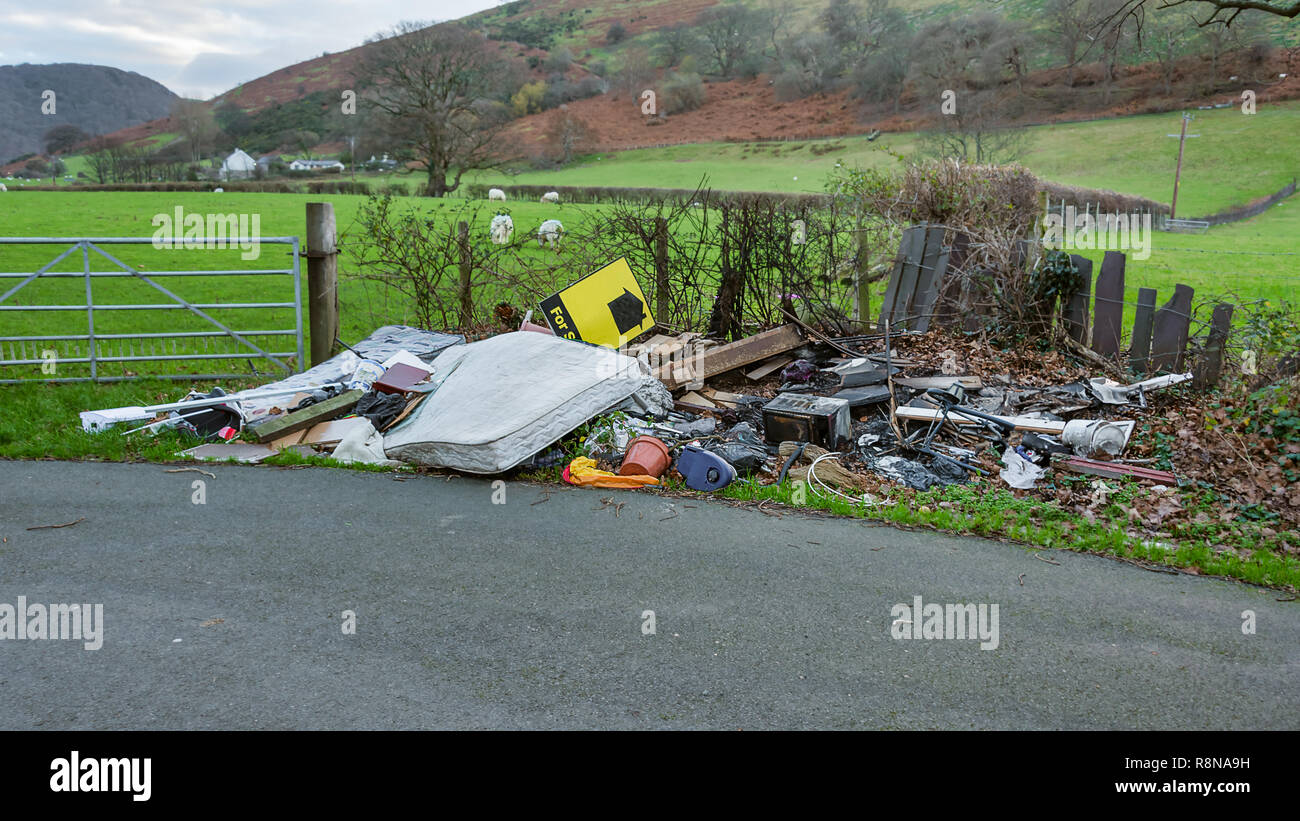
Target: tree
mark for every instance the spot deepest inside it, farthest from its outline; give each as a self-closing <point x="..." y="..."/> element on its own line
<point x="440" y="91"/>
<point x="728" y="33"/>
<point x="301" y="140"/>
<point x="100" y="158"/>
<point x="672" y="43"/>
<point x="1069" y="23"/>
<point x="62" y="138"/>
<point x="1205" y="12"/>
<point x="567" y="136"/>
<point x="1165" y="40"/>
<point x="196" y="123"/>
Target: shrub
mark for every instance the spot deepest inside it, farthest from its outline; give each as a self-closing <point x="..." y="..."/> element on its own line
<point x="682" y="92"/>
<point x="617" y="33"/>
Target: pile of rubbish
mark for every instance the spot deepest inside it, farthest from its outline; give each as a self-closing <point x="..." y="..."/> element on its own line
<point x="841" y="414"/>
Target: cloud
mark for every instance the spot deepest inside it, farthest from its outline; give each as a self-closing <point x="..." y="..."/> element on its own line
<point x="204" y="48"/>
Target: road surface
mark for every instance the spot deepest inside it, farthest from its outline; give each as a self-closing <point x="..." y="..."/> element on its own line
<point x="531" y="613"/>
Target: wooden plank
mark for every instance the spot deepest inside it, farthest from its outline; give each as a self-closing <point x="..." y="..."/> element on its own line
<point x="1211" y="364"/>
<point x="740" y="353"/>
<point x="771" y="365"/>
<point x="911" y="288"/>
<point x="331" y="433"/>
<point x="954" y="294"/>
<point x="309" y="416"/>
<point x="1169" y="334"/>
<point x="695" y="400"/>
<point x="903" y="283"/>
<point x="1116" y="470"/>
<point x="1108" y="306"/>
<point x="929" y="283"/>
<point x="1076" y="307"/>
<point x="1140" y="349"/>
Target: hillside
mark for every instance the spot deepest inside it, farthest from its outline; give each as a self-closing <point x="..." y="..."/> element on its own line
<point x="96" y="99"/>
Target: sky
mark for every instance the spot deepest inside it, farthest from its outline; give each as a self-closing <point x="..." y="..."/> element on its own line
<point x="201" y="48"/>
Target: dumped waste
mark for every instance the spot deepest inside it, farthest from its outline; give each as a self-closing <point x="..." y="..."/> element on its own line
<point x="842" y="415"/>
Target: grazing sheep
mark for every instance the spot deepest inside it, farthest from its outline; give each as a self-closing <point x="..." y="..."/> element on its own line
<point x="551" y="196"/>
<point x="501" y="229"/>
<point x="549" y="233"/>
<point x="218" y="190"/>
<point x="496" y="194"/>
<point x="2" y="187"/>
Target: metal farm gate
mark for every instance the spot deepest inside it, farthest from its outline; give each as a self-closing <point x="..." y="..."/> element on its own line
<point x="34" y="349"/>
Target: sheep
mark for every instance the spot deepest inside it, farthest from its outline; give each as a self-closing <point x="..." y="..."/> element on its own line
<point x="501" y="229"/>
<point x="549" y="233"/>
<point x="2" y="187"/>
<point x="496" y="194"/>
<point x="218" y="190"/>
<point x="551" y="196"/>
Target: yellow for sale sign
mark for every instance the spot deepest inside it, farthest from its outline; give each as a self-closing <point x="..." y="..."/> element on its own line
<point x="605" y="307"/>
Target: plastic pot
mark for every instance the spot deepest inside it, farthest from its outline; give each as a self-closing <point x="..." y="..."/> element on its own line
<point x="646" y="456"/>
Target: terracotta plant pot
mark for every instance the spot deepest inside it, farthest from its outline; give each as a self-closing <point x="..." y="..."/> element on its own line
<point x="646" y="456"/>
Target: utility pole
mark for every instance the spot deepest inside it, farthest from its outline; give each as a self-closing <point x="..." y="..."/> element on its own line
<point x="352" y="150"/>
<point x="1178" y="172"/>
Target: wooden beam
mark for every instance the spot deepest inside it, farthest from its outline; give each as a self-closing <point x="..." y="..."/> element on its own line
<point x="308" y="416"/>
<point x="774" y="364"/>
<point x="736" y="355"/>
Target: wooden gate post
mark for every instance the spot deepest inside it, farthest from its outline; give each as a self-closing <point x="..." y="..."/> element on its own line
<point x="322" y="280"/>
<point x="466" y="302"/>
<point x="661" y="270"/>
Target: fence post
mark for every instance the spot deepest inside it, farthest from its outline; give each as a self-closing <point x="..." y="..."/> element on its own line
<point x="861" y="272"/>
<point x="661" y="269"/>
<point x="322" y="280"/>
<point x="466" y="303"/>
<point x="1211" y="364"/>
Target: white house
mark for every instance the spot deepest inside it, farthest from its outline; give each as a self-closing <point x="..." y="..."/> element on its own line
<point x="316" y="165"/>
<point x="238" y="164"/>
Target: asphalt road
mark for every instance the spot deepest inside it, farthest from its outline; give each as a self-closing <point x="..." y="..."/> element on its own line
<point x="529" y="614"/>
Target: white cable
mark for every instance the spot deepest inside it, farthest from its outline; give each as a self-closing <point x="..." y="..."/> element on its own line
<point x="812" y="474"/>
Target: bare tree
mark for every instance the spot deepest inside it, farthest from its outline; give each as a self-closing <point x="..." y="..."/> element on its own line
<point x="196" y="123"/>
<point x="674" y="42"/>
<point x="1205" y="12"/>
<point x="439" y="91"/>
<point x="729" y="33"/>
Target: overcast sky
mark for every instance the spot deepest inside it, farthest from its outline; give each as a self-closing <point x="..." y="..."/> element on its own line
<point x="200" y="48"/>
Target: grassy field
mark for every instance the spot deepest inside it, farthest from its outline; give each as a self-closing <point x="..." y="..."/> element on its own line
<point x="1236" y="159"/>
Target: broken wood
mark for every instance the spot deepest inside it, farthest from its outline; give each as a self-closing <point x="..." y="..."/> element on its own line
<point x="1116" y="470"/>
<point x="737" y="354"/>
<point x="774" y="364"/>
<point x="309" y="416"/>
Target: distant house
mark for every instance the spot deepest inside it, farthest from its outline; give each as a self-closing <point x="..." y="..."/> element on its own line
<point x="316" y="165"/>
<point x="237" y="165"/>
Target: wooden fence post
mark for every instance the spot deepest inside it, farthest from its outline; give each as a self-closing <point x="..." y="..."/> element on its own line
<point x="1076" y="305"/>
<point x="662" y="305"/>
<point x="1169" y="340"/>
<point x="322" y="280"/>
<point x="1140" y="348"/>
<point x="1108" y="305"/>
<point x="1211" y="364"/>
<point x="466" y="303"/>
